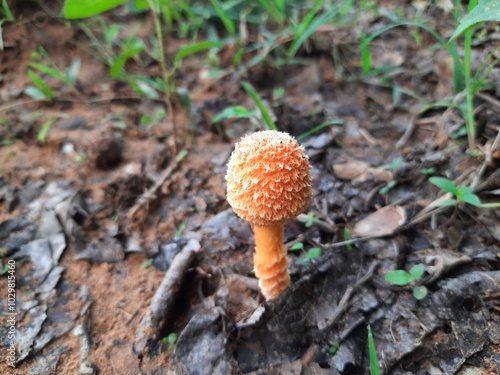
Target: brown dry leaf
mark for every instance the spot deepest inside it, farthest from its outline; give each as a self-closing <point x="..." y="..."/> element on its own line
<point x="350" y="170"/>
<point x="381" y="223"/>
<point x="359" y="171"/>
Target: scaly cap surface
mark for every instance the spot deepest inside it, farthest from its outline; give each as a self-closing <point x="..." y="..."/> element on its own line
<point x="268" y="178"/>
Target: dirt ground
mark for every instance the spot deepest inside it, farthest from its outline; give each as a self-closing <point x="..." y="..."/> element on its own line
<point x="95" y="215"/>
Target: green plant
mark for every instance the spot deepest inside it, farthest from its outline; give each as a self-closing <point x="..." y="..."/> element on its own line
<point x="309" y="219"/>
<point x="4" y="270"/>
<point x="170" y="340"/>
<point x="347" y="237"/>
<point x="372" y="353"/>
<point x="311" y="254"/>
<point x="334" y="348"/>
<point x="266" y="116"/>
<point x="42" y="133"/>
<point x="154" y="120"/>
<point x="402" y="277"/>
<point x="462" y="194"/>
<point x="77" y="9"/>
<point x="478" y="13"/>
<point x="45" y="65"/>
<point x="147" y="263"/>
<point x="428" y="171"/>
<point x="178" y="232"/>
<point x="8" y="17"/>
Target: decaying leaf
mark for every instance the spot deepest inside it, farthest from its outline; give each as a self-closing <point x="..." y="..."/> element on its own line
<point x="358" y="171"/>
<point x="382" y="222"/>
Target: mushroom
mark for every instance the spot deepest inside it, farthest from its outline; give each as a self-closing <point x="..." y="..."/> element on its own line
<point x="268" y="183"/>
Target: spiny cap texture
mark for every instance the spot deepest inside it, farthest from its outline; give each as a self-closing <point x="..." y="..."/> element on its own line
<point x="268" y="178"/>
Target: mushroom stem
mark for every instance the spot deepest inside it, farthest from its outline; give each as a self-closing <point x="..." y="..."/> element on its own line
<point x="270" y="260"/>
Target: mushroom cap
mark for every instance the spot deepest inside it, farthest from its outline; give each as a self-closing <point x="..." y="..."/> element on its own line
<point x="268" y="178"/>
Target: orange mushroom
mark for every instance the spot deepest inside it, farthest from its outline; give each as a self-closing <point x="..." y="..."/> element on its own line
<point x="268" y="183"/>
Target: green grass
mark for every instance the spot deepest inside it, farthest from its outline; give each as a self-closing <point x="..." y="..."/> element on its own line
<point x="372" y="352"/>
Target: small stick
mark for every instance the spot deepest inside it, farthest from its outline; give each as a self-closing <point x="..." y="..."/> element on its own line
<point x="343" y="303"/>
<point x="164" y="298"/>
<point x="140" y="210"/>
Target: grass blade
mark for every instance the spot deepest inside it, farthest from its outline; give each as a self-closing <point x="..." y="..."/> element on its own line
<point x="76" y="9"/>
<point x="195" y="48"/>
<point x="228" y="23"/>
<point x="7" y="12"/>
<point x="319" y="127"/>
<point x="260" y="105"/>
<point x="374" y="367"/>
<point x="49" y="71"/>
<point x="40" y="83"/>
<point x="309" y="29"/>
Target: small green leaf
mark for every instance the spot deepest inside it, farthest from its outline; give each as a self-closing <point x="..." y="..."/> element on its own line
<point x="42" y="134"/>
<point x="118" y="65"/>
<point x="347" y="237"/>
<point x="237" y="111"/>
<point x="181" y="155"/>
<point x="471" y="199"/>
<point x="179" y="231"/>
<point x="34" y="93"/>
<point x="417" y="271"/>
<point x="184" y="97"/>
<point x="147" y="263"/>
<point x="111" y="33"/>
<point x="146" y="120"/>
<point x="40" y="83"/>
<point x="311" y="254"/>
<point x="48" y="70"/>
<point x="428" y="171"/>
<point x="76" y="9"/>
<point x="333" y="348"/>
<point x="484" y="11"/>
<point x="444" y="184"/>
<point x="419" y="292"/>
<point x="387" y="187"/>
<point x="296" y="246"/>
<point x="399" y="277"/>
<point x="170" y="339"/>
<point x="195" y="48"/>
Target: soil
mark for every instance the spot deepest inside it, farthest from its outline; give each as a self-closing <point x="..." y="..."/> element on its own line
<point x="105" y="196"/>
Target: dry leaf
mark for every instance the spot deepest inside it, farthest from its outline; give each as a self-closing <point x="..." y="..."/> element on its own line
<point x="381" y="223"/>
<point x="358" y="171"/>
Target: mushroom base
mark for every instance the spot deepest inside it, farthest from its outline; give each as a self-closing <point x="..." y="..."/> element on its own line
<point x="270" y="260"/>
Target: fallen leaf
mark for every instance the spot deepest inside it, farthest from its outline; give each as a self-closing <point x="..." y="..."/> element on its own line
<point x="382" y="222"/>
<point x="358" y="171"/>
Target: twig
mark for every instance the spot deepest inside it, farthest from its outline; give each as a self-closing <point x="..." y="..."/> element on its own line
<point x="164" y="298"/>
<point x="343" y="303"/>
<point x="140" y="210"/>
<point x="489" y="99"/>
<point x="408" y="132"/>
